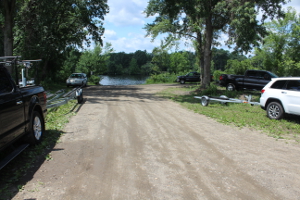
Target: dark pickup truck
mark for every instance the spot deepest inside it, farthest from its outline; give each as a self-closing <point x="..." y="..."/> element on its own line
<point x="22" y="114"/>
<point x="191" y="77"/>
<point x="253" y="79"/>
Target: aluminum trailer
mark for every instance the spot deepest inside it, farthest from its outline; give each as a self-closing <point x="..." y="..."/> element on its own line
<point x="224" y="100"/>
<point x="60" y="97"/>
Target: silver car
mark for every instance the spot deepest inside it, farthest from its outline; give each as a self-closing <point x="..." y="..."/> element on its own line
<point x="77" y="79"/>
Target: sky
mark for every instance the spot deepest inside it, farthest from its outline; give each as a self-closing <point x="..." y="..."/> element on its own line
<point x="124" y="26"/>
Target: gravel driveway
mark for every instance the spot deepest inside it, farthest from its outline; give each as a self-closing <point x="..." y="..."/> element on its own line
<point x="126" y="143"/>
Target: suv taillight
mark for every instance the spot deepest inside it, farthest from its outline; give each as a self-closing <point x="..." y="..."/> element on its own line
<point x="221" y="78"/>
<point x="262" y="91"/>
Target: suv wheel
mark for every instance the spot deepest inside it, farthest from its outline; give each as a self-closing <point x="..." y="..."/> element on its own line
<point x="275" y="110"/>
<point x="182" y="81"/>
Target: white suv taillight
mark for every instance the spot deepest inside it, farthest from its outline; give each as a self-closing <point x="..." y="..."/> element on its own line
<point x="262" y="91"/>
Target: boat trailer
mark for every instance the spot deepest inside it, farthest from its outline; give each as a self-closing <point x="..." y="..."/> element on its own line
<point x="224" y="100"/>
<point x="60" y="97"/>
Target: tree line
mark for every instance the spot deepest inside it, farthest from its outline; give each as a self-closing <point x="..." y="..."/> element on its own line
<point x="58" y="31"/>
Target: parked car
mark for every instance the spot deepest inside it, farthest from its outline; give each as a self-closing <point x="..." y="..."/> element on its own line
<point x="253" y="79"/>
<point x="280" y="96"/>
<point x="22" y="113"/>
<point x="77" y="79"/>
<point x="191" y="77"/>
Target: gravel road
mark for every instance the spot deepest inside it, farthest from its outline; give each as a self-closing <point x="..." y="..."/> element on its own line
<point x="127" y="143"/>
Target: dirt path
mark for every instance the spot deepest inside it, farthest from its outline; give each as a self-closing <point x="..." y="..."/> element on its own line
<point x="126" y="143"/>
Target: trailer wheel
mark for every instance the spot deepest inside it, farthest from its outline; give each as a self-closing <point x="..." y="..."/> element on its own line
<point x="230" y="87"/>
<point x="80" y="98"/>
<point x="205" y="101"/>
<point x="224" y="97"/>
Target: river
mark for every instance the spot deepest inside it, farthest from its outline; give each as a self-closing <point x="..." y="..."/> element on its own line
<point x="123" y="80"/>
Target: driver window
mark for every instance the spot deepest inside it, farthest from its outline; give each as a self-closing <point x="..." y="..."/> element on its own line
<point x="267" y="77"/>
<point x="5" y="84"/>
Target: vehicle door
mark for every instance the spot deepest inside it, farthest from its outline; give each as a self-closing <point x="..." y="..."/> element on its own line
<point x="250" y="81"/>
<point x="11" y="111"/>
<point x="263" y="78"/>
<point x="189" y="77"/>
<point x="195" y="77"/>
<point x="293" y="96"/>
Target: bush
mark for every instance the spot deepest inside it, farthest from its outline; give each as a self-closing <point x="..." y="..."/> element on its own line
<point x="95" y="79"/>
<point x="217" y="74"/>
<point x="162" y="78"/>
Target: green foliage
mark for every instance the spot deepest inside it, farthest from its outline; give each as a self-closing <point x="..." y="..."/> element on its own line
<point x="217" y="74"/>
<point x="123" y="63"/>
<point x="162" y="78"/>
<point x="179" y="62"/>
<point x="147" y="68"/>
<point x="93" y="61"/>
<point x="133" y="67"/>
<point x="94" y="79"/>
<point x="45" y="30"/>
<point x="279" y="52"/>
<point x="238" y="67"/>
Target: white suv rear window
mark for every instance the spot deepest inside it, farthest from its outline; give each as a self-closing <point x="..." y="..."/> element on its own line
<point x="279" y="84"/>
<point x="293" y="85"/>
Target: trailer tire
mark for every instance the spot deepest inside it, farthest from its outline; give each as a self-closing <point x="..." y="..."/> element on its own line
<point x="224" y="97"/>
<point x="80" y="98"/>
<point x="205" y="101"/>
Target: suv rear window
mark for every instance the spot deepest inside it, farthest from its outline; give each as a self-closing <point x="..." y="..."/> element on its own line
<point x="293" y="85"/>
<point x="279" y="84"/>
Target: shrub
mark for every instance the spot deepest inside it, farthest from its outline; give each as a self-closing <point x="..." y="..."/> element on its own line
<point x="95" y="79"/>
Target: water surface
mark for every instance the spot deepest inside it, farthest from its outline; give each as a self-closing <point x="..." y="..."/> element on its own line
<point x="123" y="80"/>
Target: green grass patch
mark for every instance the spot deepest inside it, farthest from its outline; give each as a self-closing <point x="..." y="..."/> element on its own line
<point x="240" y="115"/>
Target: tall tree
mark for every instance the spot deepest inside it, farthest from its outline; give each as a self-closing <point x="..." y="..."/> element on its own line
<point x="47" y="28"/>
<point x="208" y="19"/>
<point x="8" y="11"/>
<point x="280" y="48"/>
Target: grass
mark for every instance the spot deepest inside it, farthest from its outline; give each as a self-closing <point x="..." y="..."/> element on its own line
<point x="240" y="115"/>
<point x="13" y="175"/>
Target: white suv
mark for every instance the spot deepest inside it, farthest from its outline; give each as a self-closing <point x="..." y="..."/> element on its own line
<point x="280" y="96"/>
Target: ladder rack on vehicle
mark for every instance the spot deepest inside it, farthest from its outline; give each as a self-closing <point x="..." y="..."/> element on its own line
<point x="224" y="100"/>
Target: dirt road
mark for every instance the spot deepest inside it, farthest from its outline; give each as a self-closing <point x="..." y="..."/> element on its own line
<point x="126" y="143"/>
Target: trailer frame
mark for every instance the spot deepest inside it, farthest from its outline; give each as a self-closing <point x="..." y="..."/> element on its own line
<point x="205" y="100"/>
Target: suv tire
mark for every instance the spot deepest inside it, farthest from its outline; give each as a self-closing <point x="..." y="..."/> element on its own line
<point x="275" y="110"/>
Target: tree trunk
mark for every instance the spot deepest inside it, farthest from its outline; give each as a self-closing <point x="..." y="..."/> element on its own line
<point x="207" y="52"/>
<point x="200" y="54"/>
<point x="9" y="7"/>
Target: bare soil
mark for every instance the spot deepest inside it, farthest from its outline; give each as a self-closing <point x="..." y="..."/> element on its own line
<point x="127" y="143"/>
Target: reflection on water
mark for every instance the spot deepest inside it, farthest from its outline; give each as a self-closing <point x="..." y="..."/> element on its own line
<point x="123" y="80"/>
